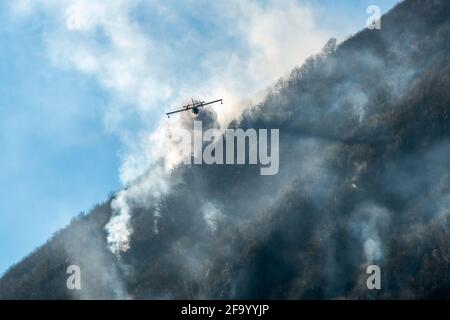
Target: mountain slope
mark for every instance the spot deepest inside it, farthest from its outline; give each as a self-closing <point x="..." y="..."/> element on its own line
<point x="363" y="180"/>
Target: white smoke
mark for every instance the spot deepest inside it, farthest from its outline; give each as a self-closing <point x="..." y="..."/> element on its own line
<point x="143" y="192"/>
<point x="212" y="215"/>
<point x="118" y="227"/>
<point x="368" y="223"/>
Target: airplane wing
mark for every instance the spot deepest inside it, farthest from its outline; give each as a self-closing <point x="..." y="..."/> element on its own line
<point x="185" y="108"/>
<point x="180" y="110"/>
<point x="211" y="102"/>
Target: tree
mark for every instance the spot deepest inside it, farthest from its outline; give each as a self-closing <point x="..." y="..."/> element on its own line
<point x="329" y="47"/>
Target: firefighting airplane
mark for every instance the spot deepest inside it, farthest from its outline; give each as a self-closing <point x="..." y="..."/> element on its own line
<point x="194" y="106"/>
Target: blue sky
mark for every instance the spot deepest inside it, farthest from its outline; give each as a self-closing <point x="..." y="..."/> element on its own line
<point x="56" y="159"/>
<point x="71" y="125"/>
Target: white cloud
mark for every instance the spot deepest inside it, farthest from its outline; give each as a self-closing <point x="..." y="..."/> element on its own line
<point x="281" y="35"/>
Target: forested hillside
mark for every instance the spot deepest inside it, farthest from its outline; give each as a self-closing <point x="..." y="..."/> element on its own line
<point x="364" y="179"/>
